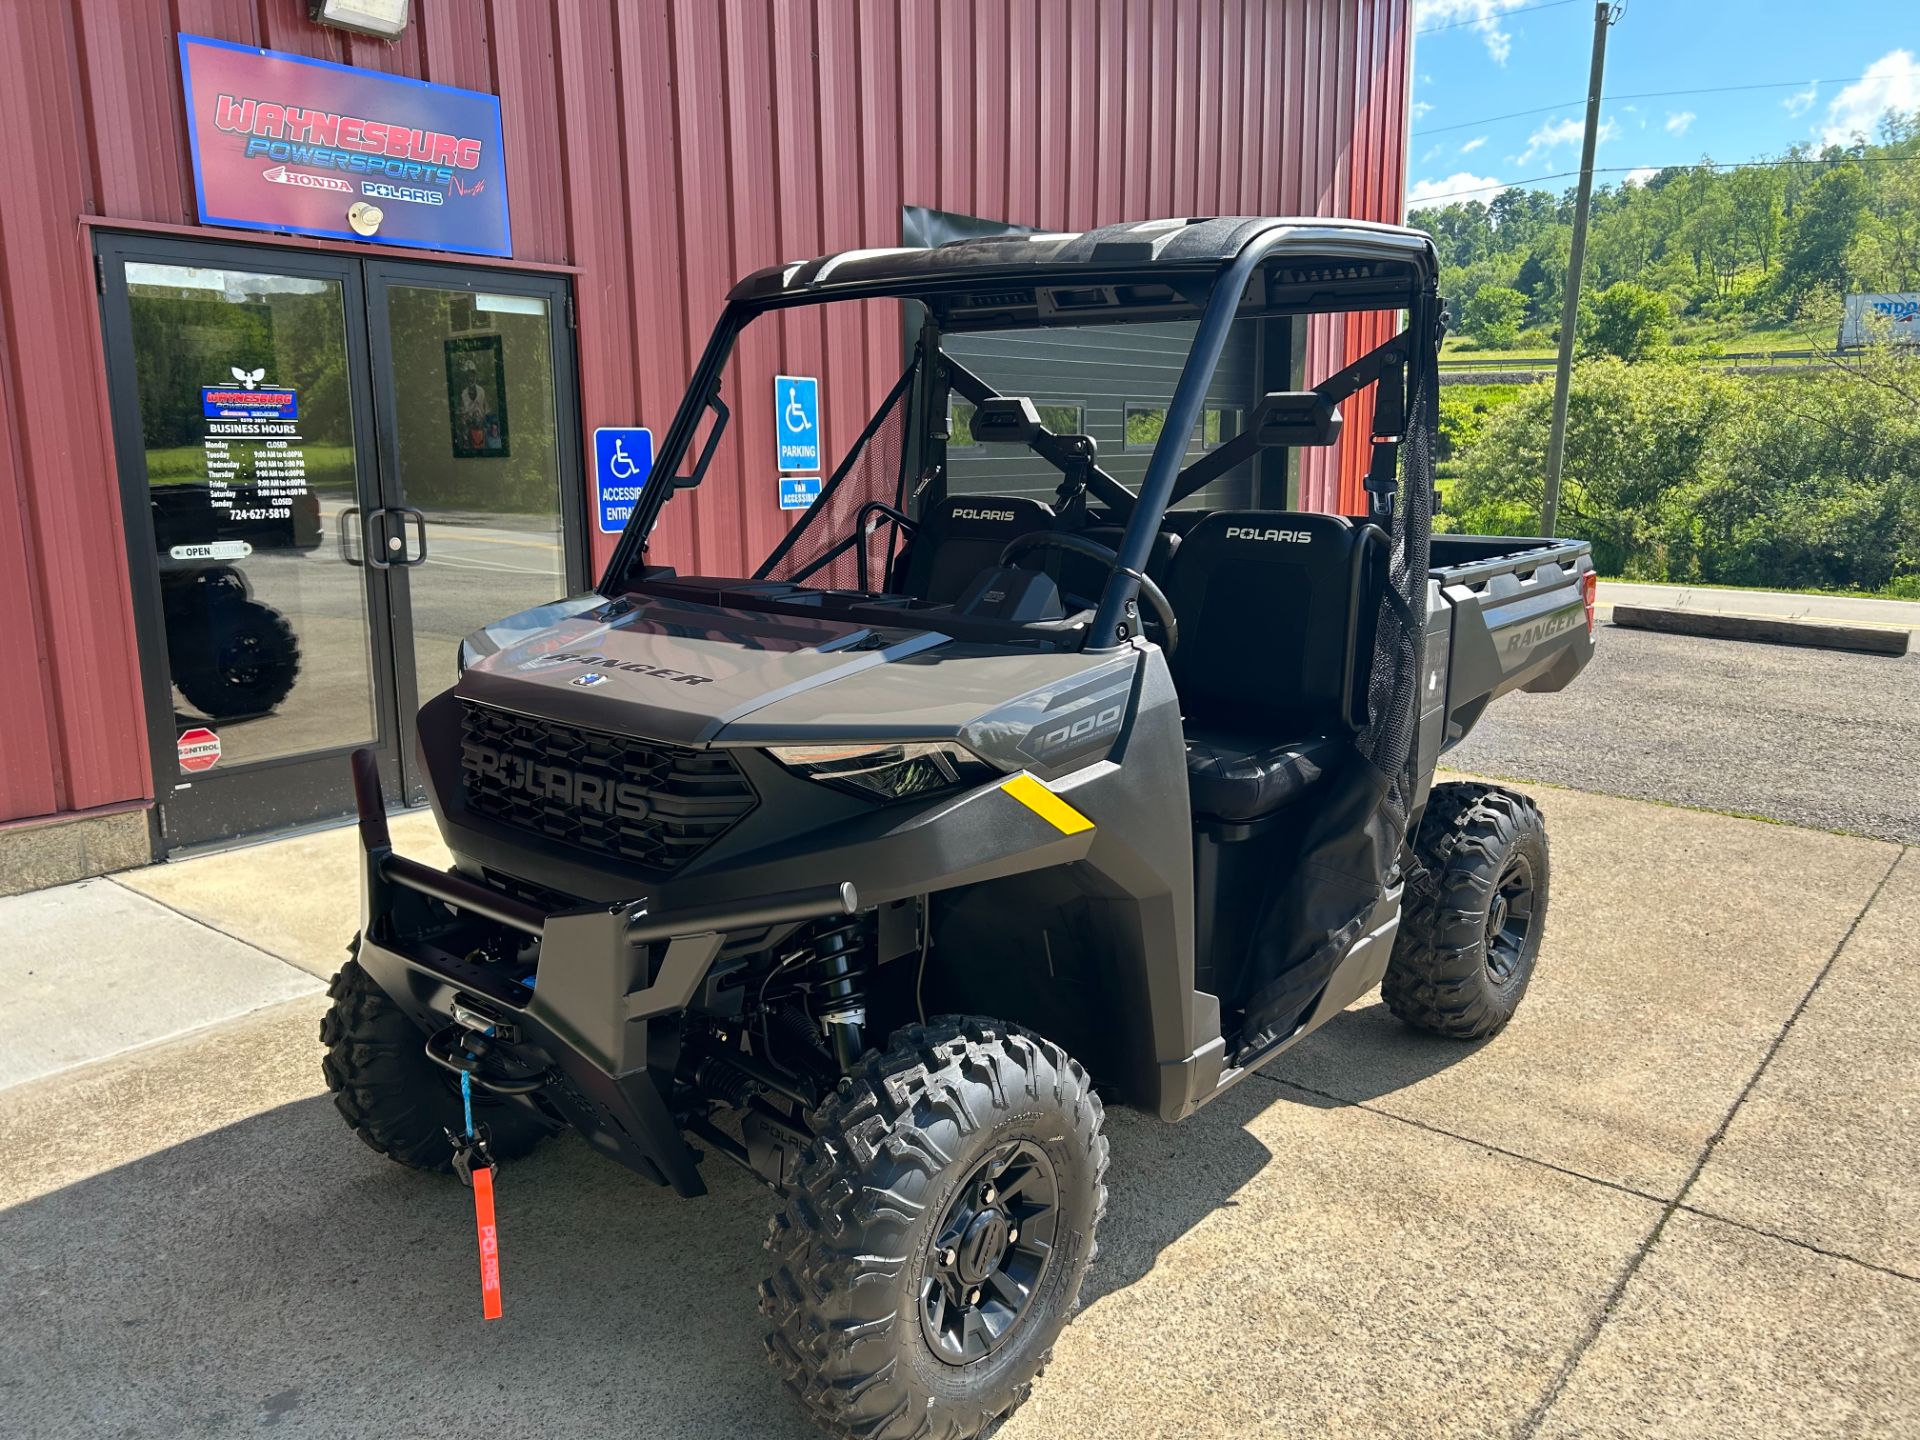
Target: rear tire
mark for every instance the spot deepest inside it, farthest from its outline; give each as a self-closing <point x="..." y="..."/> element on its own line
<point x="898" y="1251"/>
<point x="1476" y="909"/>
<point x="396" y="1099"/>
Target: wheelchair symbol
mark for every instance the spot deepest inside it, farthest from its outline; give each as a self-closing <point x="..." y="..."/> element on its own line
<point x="795" y="415"/>
<point x="620" y="464"/>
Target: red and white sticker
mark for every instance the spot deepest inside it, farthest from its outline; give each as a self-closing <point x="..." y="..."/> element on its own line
<point x="199" y="749"/>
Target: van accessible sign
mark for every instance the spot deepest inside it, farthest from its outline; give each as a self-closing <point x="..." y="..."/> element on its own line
<point x="285" y="143"/>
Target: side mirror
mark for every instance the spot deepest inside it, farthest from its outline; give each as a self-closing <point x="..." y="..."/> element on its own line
<point x="1296" y="417"/>
<point x="1005" y="420"/>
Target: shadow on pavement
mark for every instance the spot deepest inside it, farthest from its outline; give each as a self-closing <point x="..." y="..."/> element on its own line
<point x="1364" y="1053"/>
<point x="276" y="1274"/>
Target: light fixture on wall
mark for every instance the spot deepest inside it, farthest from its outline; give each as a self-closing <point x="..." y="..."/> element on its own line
<point x="382" y="18"/>
<point x="364" y="218"/>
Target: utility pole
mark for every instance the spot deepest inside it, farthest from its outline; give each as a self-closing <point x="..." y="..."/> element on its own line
<point x="1604" y="14"/>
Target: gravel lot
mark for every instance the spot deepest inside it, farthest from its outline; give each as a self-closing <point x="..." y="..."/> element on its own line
<point x="1811" y="737"/>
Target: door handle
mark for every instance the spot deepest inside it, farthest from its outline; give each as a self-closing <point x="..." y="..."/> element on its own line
<point x="345" y="523"/>
<point x="407" y="512"/>
<point x="381" y="542"/>
<point x="376" y="546"/>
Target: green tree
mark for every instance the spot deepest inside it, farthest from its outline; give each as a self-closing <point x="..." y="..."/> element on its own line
<point x="1754" y="194"/>
<point x="1623" y="320"/>
<point x="1825" y="225"/>
<point x="1493" y="316"/>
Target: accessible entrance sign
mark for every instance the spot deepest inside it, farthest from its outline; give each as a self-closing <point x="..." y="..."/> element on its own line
<point x="796" y="421"/>
<point x="622" y="460"/>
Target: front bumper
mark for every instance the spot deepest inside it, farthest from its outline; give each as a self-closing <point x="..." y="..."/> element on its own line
<point x="585" y="1002"/>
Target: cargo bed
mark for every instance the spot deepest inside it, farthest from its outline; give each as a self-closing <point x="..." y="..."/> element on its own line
<point x="1504" y="613"/>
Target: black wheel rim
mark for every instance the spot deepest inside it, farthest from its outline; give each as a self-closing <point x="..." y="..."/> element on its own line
<point x="1510" y="918"/>
<point x="989" y="1253"/>
<point x="243" y="662"/>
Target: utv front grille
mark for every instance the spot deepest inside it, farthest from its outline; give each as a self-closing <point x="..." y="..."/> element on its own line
<point x="654" y="805"/>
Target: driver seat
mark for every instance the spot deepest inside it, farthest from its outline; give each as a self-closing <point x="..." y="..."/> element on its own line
<point x="1268" y="615"/>
<point x="961" y="535"/>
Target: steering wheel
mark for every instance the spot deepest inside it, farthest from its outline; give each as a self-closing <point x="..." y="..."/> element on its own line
<point x="1155" y="597"/>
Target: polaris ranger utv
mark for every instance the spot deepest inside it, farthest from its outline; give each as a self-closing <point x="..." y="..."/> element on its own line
<point x="875" y="871"/>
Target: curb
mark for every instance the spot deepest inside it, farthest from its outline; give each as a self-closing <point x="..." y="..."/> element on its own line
<point x="1815" y="634"/>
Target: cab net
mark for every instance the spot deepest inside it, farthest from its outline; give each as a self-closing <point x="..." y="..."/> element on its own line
<point x="1351" y="844"/>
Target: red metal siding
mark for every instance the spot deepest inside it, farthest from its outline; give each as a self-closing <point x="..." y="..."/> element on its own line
<point x="663" y="147"/>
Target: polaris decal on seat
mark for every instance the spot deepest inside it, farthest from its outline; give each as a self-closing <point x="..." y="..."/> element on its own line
<point x="606" y="662"/>
<point x="1248" y="532"/>
<point x="968" y="513"/>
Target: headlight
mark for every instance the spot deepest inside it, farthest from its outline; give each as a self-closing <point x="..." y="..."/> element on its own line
<point x="887" y="771"/>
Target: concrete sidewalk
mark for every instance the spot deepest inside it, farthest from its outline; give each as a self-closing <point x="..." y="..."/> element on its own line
<point x="1763" y="604"/>
<point x="1677" y="1197"/>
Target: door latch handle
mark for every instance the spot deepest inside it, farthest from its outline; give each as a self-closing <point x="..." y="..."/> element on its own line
<point x="379" y="542"/>
<point x="345" y="523"/>
<point x="387" y="548"/>
<point x="407" y="512"/>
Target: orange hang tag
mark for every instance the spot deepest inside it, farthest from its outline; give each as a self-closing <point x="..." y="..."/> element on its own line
<point x="489" y="1243"/>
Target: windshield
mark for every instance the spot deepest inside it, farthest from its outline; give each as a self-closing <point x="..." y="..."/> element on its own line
<point x="840" y="444"/>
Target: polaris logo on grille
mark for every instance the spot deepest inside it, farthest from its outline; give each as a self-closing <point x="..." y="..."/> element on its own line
<point x="968" y="512"/>
<point x="619" y="798"/>
<point x="1291" y="537"/>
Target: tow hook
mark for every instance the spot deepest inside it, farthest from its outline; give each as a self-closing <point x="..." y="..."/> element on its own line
<point x="465" y="1047"/>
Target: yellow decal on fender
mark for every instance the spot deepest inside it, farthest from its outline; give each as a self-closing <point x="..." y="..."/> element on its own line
<point x="1047" y="805"/>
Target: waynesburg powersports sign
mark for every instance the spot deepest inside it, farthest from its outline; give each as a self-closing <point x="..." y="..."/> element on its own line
<point x="281" y="142"/>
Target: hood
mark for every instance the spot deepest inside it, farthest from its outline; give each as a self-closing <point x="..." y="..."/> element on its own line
<point x="672" y="670"/>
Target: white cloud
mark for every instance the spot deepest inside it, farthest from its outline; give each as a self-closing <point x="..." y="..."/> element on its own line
<point x="1422" y="109"/>
<point x="1555" y="133"/>
<point x="1483" y="16"/>
<point x="1677" y="123"/>
<point x="1472" y="145"/>
<point x="1439" y="192"/>
<point x="1891" y="83"/>
<point x="1432" y="152"/>
<point x="1640" y="176"/>
<point x="1801" y="101"/>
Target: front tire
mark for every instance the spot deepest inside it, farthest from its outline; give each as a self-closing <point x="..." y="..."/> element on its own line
<point x="1476" y="909"/>
<point x="396" y="1099"/>
<point x="934" y="1244"/>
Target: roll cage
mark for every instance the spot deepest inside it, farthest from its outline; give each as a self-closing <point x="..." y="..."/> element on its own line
<point x="1210" y="271"/>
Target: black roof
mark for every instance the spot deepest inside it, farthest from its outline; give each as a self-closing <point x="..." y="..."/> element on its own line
<point x="1148" y="245"/>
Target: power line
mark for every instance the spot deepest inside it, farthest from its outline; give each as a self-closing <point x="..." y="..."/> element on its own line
<point x="1637" y="95"/>
<point x="1491" y="18"/>
<point x="1690" y="165"/>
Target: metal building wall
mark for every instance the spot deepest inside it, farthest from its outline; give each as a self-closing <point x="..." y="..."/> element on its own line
<point x="663" y="147"/>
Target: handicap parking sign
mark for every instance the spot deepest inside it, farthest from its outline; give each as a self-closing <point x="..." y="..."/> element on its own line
<point x="796" y="422"/>
<point x="798" y="492"/>
<point x="622" y="459"/>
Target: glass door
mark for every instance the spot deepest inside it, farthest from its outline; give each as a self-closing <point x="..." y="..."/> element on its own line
<point x="473" y="374"/>
<point x="243" y="426"/>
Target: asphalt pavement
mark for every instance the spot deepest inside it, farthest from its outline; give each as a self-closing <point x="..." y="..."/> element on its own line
<point x="1811" y="737"/>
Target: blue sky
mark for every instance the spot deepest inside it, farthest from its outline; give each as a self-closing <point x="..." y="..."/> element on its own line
<point x="1486" y="58"/>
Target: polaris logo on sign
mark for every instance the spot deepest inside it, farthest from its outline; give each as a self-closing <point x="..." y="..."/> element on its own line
<point x="1248" y="532"/>
<point x="573" y="788"/>
<point x="969" y="513"/>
